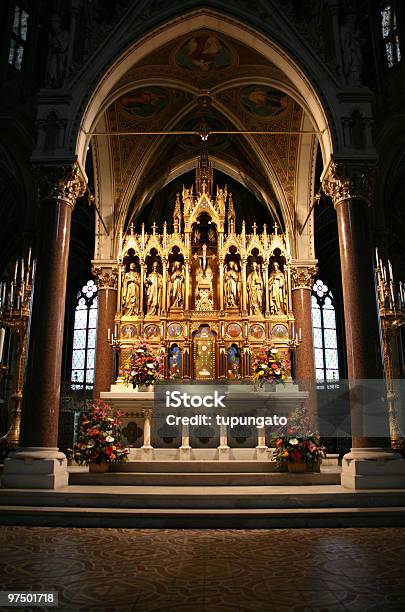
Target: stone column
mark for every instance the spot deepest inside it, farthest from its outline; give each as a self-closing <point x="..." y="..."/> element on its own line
<point x="147" y="448"/>
<point x="350" y="184"/>
<point x="38" y="463"/>
<point x="107" y="306"/>
<point x="303" y="273"/>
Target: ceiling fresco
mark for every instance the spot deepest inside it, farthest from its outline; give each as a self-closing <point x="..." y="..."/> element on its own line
<point x="207" y="81"/>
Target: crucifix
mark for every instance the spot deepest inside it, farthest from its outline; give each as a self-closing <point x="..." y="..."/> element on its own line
<point x="203" y="258"/>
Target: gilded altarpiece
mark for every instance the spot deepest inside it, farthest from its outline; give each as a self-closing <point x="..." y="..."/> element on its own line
<point x="200" y="291"/>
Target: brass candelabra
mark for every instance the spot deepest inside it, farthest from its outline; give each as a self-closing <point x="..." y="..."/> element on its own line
<point x="391" y="298"/>
<point x="15" y="309"/>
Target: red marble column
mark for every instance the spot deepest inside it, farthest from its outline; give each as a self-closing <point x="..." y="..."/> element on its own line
<point x="349" y="188"/>
<point x="107" y="306"/>
<point x="301" y="302"/>
<point x="39" y="426"/>
<point x="303" y="276"/>
<point x="37" y="463"/>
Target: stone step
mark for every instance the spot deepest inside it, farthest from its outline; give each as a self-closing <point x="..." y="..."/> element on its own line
<point x="194" y="466"/>
<point x="254" y="518"/>
<point x="203" y="497"/>
<point x="203" y="479"/>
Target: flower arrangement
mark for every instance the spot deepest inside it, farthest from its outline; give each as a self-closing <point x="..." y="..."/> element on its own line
<point x="270" y="365"/>
<point x="297" y="442"/>
<point x="100" y="436"/>
<point x="296" y="449"/>
<point x="143" y="367"/>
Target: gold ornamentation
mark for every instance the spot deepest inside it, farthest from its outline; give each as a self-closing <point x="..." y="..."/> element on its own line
<point x="303" y="276"/>
<point x="349" y="181"/>
<point x="106" y="279"/>
<point x="62" y="182"/>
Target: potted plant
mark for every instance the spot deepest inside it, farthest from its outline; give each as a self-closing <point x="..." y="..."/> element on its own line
<point x="270" y="367"/>
<point x="143" y="367"/>
<point x="99" y="440"/>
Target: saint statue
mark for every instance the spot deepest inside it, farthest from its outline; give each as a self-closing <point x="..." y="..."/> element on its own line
<point x="131" y="291"/>
<point x="58" y="43"/>
<point x="232" y="285"/>
<point x="176" y="285"/>
<point x="255" y="290"/>
<point x="277" y="290"/>
<point x="154" y="284"/>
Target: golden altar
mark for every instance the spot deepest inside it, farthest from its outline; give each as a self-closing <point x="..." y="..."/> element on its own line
<point x="203" y="293"/>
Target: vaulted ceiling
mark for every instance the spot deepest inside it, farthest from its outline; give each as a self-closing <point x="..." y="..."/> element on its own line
<point x="203" y="81"/>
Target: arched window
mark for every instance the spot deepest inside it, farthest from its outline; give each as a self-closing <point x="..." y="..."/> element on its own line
<point x="389" y="27"/>
<point x="84" y="337"/>
<point x="324" y="330"/>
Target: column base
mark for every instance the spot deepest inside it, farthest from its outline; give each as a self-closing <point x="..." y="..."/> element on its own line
<point x="223" y="453"/>
<point x="261" y="452"/>
<point x="146" y="453"/>
<point x="373" y="468"/>
<point x="184" y="453"/>
<point x="35" y="468"/>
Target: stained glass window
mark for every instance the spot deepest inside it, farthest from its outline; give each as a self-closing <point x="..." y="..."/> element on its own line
<point x="389" y="29"/>
<point x="18" y="38"/>
<point x="324" y="331"/>
<point x="84" y="337"/>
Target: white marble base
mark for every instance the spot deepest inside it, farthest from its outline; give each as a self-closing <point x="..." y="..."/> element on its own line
<point x="185" y="453"/>
<point x="373" y="468"/>
<point x="223" y="453"/>
<point x="35" y="468"/>
<point x="261" y="452"/>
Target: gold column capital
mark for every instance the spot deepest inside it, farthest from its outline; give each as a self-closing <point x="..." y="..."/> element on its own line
<point x="349" y="180"/>
<point x="303" y="275"/>
<point x="106" y="277"/>
<point x="60" y="181"/>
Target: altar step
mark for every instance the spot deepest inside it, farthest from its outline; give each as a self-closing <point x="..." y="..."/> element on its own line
<point x="203" y="507"/>
<point x="203" y="479"/>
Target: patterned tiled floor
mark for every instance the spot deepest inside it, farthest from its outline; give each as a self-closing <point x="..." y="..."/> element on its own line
<point x="194" y="571"/>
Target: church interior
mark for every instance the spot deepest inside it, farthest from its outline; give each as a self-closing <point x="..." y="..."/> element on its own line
<point x="203" y="197"/>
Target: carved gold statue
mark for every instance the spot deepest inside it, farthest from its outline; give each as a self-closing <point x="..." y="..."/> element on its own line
<point x="154" y="284"/>
<point x="176" y="286"/>
<point x="205" y="270"/>
<point x="131" y="290"/>
<point x="232" y="285"/>
<point x="277" y="290"/>
<point x="255" y="290"/>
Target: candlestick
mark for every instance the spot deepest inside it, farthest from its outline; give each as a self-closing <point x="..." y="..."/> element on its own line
<point x="2" y="338"/>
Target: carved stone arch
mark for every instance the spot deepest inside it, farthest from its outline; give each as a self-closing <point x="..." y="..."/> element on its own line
<point x="153" y="243"/>
<point x="232" y="241"/>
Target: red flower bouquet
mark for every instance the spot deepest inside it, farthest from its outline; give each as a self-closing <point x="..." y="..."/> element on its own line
<point x="100" y="436"/>
<point x="143" y="367"/>
<point x="270" y="365"/>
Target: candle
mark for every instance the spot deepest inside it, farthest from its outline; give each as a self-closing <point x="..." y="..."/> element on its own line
<point x="384" y="274"/>
<point x="109" y="334"/>
<point x="29" y="257"/>
<point x="300" y="336"/>
<point x="22" y="270"/>
<point x="392" y="293"/>
<point x="15" y="271"/>
<point x="390" y="270"/>
<point x="376" y="255"/>
<point x="11" y="295"/>
<point x="34" y="267"/>
<point x="2" y="337"/>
